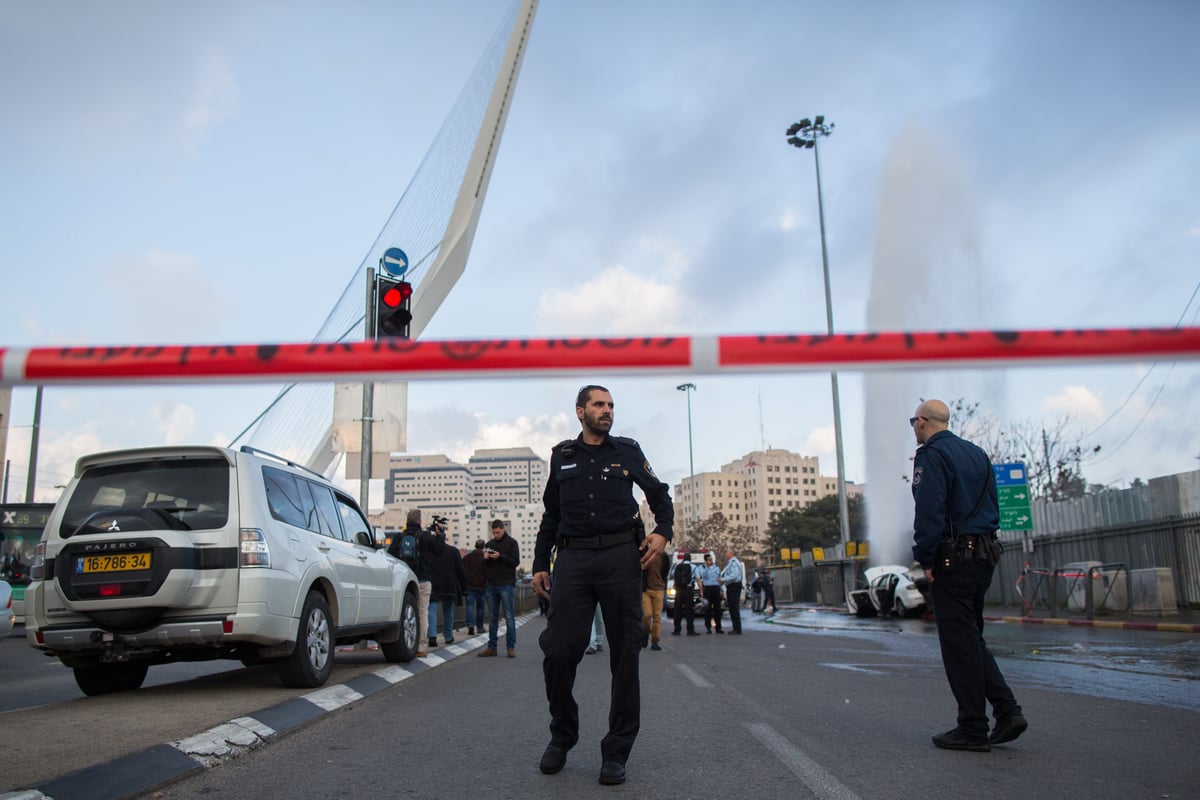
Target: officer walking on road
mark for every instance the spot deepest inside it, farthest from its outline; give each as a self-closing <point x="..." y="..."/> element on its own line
<point x="957" y="515"/>
<point x="591" y="518"/>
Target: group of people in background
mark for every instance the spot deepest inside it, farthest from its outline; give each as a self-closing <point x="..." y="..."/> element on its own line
<point x="717" y="584"/>
<point x="486" y="575"/>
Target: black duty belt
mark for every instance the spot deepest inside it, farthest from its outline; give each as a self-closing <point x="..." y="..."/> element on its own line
<point x="598" y="542"/>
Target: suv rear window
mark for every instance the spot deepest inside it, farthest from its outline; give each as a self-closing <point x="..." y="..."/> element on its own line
<point x="187" y="494"/>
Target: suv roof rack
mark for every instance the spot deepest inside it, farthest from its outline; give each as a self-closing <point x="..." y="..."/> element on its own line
<point x="255" y="451"/>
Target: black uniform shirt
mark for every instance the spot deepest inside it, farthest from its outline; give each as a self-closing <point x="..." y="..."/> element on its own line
<point x="950" y="473"/>
<point x="590" y="492"/>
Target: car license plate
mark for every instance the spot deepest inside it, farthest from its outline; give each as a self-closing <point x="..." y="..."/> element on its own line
<point x="125" y="562"/>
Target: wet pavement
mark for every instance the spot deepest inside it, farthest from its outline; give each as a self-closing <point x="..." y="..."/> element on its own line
<point x="1151" y="663"/>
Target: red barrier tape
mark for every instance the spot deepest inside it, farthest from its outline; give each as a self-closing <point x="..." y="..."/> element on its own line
<point x="404" y="360"/>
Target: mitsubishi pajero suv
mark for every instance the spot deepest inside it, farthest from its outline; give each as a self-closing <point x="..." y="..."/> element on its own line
<point x="193" y="553"/>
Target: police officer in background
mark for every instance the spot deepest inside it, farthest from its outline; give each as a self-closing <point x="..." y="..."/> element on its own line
<point x="957" y="515"/>
<point x="591" y="517"/>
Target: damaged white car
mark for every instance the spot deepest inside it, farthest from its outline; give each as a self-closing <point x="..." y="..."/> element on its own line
<point x="891" y="589"/>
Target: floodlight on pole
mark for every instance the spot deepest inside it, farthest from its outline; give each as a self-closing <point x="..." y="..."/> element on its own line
<point x="688" y="388"/>
<point x="804" y="135"/>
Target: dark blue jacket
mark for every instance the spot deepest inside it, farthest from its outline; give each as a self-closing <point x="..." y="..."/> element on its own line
<point x="949" y="475"/>
<point x="590" y="491"/>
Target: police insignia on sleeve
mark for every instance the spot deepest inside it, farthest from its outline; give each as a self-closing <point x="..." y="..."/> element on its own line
<point x="917" y="473"/>
<point x="650" y="472"/>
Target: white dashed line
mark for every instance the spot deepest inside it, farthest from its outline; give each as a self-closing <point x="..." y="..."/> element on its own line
<point x="811" y="774"/>
<point x="693" y="676"/>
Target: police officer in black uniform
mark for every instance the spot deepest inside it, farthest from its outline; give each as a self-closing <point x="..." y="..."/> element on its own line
<point x="591" y="517"/>
<point x="957" y="516"/>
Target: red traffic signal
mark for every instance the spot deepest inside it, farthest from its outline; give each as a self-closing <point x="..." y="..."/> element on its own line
<point x="393" y="314"/>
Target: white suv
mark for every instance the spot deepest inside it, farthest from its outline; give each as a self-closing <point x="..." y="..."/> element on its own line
<point x="192" y="553"/>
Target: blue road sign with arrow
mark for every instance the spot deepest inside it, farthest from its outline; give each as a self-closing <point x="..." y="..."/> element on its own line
<point x="394" y="262"/>
<point x="1012" y="492"/>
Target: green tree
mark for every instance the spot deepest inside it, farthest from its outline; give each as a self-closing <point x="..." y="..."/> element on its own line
<point x="716" y="533"/>
<point x="816" y="525"/>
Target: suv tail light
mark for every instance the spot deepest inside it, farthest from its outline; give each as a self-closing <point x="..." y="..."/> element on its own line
<point x="37" y="570"/>
<point x="255" y="552"/>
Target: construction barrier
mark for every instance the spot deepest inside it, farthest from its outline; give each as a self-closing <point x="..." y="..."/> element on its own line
<point x="403" y="359"/>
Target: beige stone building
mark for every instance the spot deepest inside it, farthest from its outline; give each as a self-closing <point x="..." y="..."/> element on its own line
<point x="750" y="489"/>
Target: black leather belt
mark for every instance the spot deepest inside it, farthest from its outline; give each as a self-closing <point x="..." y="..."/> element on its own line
<point x="598" y="542"/>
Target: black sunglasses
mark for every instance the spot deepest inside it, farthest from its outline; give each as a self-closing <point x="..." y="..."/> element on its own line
<point x="912" y="421"/>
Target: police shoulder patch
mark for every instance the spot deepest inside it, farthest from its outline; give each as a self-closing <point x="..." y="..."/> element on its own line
<point x="917" y="473"/>
<point x="650" y="472"/>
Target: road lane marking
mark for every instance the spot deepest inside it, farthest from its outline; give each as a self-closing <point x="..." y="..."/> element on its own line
<point x="855" y="668"/>
<point x="693" y="676"/>
<point x="225" y="740"/>
<point x="811" y="774"/>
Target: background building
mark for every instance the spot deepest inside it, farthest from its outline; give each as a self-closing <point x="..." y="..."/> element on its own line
<point x="505" y="484"/>
<point x="750" y="489"/>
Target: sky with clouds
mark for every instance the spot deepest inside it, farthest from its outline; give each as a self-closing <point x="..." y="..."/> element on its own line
<point x="214" y="173"/>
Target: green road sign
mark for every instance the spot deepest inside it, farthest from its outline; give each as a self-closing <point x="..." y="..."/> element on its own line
<point x="1013" y="493"/>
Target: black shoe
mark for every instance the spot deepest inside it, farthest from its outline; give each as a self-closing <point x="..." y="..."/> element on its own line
<point x="720" y="631"/>
<point x="957" y="740"/>
<point x="674" y="633"/>
<point x="645" y="643"/>
<point x="553" y="759"/>
<point x="433" y="641"/>
<point x="470" y="631"/>
<point x="612" y="773"/>
<point x="693" y="633"/>
<point x="655" y="646"/>
<point x="735" y="633"/>
<point x="591" y="651"/>
<point x="1008" y="729"/>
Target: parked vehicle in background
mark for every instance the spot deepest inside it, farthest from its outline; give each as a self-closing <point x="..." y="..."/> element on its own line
<point x="6" y="610"/>
<point x="890" y="589"/>
<point x="194" y="553"/>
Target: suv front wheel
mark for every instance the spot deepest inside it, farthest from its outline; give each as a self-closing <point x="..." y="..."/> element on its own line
<point x="311" y="662"/>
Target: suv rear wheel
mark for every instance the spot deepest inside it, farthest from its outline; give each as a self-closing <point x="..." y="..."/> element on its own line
<point x="404" y="648"/>
<point x="311" y="662"/>
<point x="95" y="679"/>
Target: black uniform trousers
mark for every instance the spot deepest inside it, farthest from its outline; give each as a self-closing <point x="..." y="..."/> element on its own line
<point x="611" y="577"/>
<point x="685" y="607"/>
<point x="733" y="598"/>
<point x="970" y="667"/>
<point x="712" y="615"/>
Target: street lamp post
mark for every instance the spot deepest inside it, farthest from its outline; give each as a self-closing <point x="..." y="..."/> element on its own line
<point x="804" y="134"/>
<point x="688" y="388"/>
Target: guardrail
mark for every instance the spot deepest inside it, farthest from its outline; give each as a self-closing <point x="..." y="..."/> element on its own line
<point x="1080" y="583"/>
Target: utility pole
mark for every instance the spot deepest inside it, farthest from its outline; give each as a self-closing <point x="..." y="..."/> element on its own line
<point x="31" y="481"/>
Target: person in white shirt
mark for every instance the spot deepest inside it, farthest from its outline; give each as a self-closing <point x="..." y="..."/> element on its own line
<point x="733" y="576"/>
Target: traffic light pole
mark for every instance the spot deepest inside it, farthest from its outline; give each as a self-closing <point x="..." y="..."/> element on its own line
<point x="368" y="400"/>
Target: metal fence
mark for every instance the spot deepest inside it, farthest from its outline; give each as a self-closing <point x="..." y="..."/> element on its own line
<point x="1169" y="544"/>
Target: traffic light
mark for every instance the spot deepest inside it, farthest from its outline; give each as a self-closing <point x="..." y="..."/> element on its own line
<point x="393" y="301"/>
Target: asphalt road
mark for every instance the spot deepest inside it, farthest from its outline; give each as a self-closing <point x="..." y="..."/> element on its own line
<point x="827" y="706"/>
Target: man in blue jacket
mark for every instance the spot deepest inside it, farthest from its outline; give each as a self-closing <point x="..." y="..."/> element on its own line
<point x="954" y="541"/>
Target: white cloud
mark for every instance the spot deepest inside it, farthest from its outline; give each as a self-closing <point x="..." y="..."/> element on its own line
<point x="176" y="421"/>
<point x="821" y="442"/>
<point x="1193" y="231"/>
<point x="1076" y="401"/>
<point x="214" y="98"/>
<point x="790" y="220"/>
<point x="615" y="302"/>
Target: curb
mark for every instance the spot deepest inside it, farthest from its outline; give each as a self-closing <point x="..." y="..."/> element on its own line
<point x="159" y="765"/>
<point x="1173" y="627"/>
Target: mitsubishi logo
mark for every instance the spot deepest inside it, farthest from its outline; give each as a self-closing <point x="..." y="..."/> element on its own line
<point x="114" y="527"/>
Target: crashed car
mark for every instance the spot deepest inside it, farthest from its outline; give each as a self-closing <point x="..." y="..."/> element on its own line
<point x="890" y="589"/>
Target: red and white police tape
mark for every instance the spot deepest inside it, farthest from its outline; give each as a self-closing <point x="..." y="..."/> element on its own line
<point x="400" y="359"/>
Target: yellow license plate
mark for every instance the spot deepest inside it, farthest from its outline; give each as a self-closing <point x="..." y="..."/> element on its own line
<point x="125" y="562"/>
